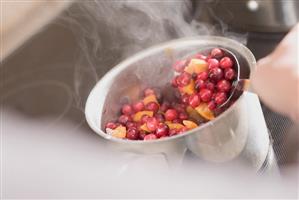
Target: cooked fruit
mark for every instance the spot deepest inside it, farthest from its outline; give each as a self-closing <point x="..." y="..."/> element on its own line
<point x="137" y="117"/>
<point x="196" y="66"/>
<point x="204" y="111"/>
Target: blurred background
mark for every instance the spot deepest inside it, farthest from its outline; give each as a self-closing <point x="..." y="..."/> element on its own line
<point x="53" y="53"/>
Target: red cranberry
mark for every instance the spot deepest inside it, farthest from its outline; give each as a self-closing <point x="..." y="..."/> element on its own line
<point x="173" y="132"/>
<point x="183" y="79"/>
<point x="123" y="119"/>
<point x="152" y="106"/>
<point x="205" y="95"/>
<point x="127" y="109"/>
<point x="131" y="125"/>
<point x="185" y="98"/>
<point x="213" y="63"/>
<point x="142" y="134"/>
<point x="200" y="84"/>
<point x="183" y="116"/>
<point x="139" y="106"/>
<point x="159" y="117"/>
<point x="216" y="53"/>
<point x="211" y="105"/>
<point x="162" y="130"/>
<point x="203" y="76"/>
<point x="179" y="121"/>
<point x="150" y="136"/>
<point x="215" y="74"/>
<point x="174" y="81"/>
<point x="152" y="123"/>
<point x="144" y="119"/>
<point x="229" y="74"/>
<point x="220" y="98"/>
<point x="179" y="65"/>
<point x="132" y="133"/>
<point x="182" y="130"/>
<point x="194" y="100"/>
<point x="226" y="62"/>
<point x="180" y="107"/>
<point x="210" y="85"/>
<point x="111" y="125"/>
<point x="200" y="56"/>
<point x="223" y="86"/>
<point x="164" y="106"/>
<point x="171" y="114"/>
<point x="148" y="92"/>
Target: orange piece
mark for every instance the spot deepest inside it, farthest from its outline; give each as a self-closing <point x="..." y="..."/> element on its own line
<point x="204" y="111"/>
<point x="144" y="127"/>
<point x="196" y="66"/>
<point x="150" y="98"/>
<point x="188" y="89"/>
<point x="189" y="124"/>
<point x="176" y="126"/>
<point x="193" y="114"/>
<point x="138" y="115"/>
<point x="119" y="132"/>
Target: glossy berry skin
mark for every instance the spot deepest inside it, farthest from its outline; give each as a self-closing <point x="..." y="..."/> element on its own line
<point x="131" y="125"/>
<point x="162" y="130"/>
<point x="220" y="98"/>
<point x="164" y="106"/>
<point x="150" y="136"/>
<point x="111" y="125"/>
<point x="223" y="86"/>
<point x="216" y="74"/>
<point x="194" y="100"/>
<point x="229" y="74"/>
<point x="203" y="76"/>
<point x="210" y="85"/>
<point x="213" y="63"/>
<point x="139" y="106"/>
<point x="152" y="106"/>
<point x="200" y="84"/>
<point x="173" y="132"/>
<point x="183" y="79"/>
<point x="171" y="114"/>
<point x="216" y="53"/>
<point x="179" y="65"/>
<point x="226" y="62"/>
<point x="142" y="134"/>
<point x="148" y="92"/>
<point x="159" y="117"/>
<point x="127" y="109"/>
<point x="183" y="116"/>
<point x="152" y="123"/>
<point x="123" y="119"/>
<point x="212" y="105"/>
<point x="132" y="133"/>
<point x="205" y="95"/>
<point x="144" y="119"/>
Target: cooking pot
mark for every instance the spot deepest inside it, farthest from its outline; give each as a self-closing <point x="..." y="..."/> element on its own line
<point x="219" y="140"/>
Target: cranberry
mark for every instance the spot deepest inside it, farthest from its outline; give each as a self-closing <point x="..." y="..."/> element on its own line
<point x="213" y="63"/>
<point x="142" y="134"/>
<point x="127" y="109"/>
<point x="205" y="95"/>
<point x="148" y="92"/>
<point x="179" y="65"/>
<point x="150" y="136"/>
<point x="216" y="53"/>
<point x="152" y="123"/>
<point x="179" y="121"/>
<point x="211" y="105"/>
<point x="210" y="85"/>
<point x="123" y="119"/>
<point x="111" y="125"/>
<point x="162" y="130"/>
<point x="174" y="81"/>
<point x="226" y="62"/>
<point x="203" y="76"/>
<point x="223" y="86"/>
<point x="180" y="107"/>
<point x="132" y="133"/>
<point x="173" y="132"/>
<point x="164" y="106"/>
<point x="131" y="125"/>
<point x="216" y="74"/>
<point x="200" y="84"/>
<point x="185" y="98"/>
<point x="182" y="130"/>
<point x="220" y="98"/>
<point x="229" y="74"/>
<point x="139" y="106"/>
<point x="171" y="114"/>
<point x="183" y="79"/>
<point x="159" y="117"/>
<point x="152" y="106"/>
<point x="183" y="116"/>
<point x="144" y="119"/>
<point x="200" y="56"/>
<point x="194" y="100"/>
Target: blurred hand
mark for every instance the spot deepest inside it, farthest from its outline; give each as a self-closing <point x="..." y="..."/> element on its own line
<point x="276" y="78"/>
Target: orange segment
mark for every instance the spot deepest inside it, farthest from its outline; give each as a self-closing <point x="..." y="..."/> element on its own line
<point x="144" y="127"/>
<point x="188" y="89"/>
<point x="196" y="66"/>
<point x="189" y="124"/>
<point x="193" y="114"/>
<point x="150" y="98"/>
<point x="119" y="132"/>
<point x="138" y="115"/>
<point x="175" y="126"/>
<point x="204" y="111"/>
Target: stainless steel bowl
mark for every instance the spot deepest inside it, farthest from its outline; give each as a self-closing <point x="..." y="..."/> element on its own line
<point x="219" y="140"/>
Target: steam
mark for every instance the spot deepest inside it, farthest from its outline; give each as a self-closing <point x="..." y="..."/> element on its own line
<point x="110" y="31"/>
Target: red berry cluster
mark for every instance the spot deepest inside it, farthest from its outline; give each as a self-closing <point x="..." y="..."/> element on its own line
<point x="204" y="82"/>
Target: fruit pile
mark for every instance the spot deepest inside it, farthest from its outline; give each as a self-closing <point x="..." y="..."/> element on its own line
<point x="203" y="83"/>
